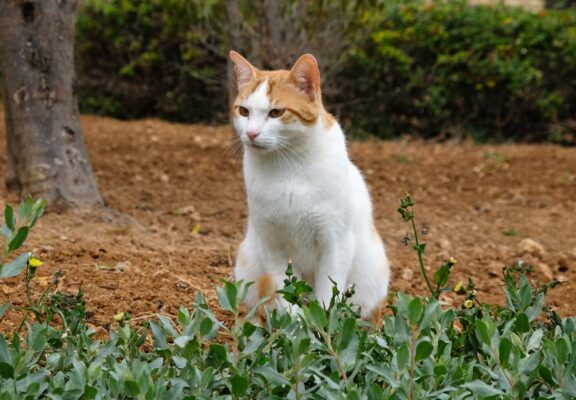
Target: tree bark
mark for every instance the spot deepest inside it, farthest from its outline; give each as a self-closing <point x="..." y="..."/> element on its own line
<point x="46" y="152"/>
<point x="234" y="17"/>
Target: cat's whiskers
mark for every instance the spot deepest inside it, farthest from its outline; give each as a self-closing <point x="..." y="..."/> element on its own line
<point x="292" y="151"/>
<point x="233" y="149"/>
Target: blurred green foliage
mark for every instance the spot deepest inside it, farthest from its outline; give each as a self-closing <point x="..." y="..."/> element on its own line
<point x="448" y="69"/>
<point x="150" y="58"/>
<point x="412" y="67"/>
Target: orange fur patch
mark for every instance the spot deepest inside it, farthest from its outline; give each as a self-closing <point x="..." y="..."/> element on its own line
<point x="377" y="316"/>
<point x="283" y="92"/>
<point x="375" y="230"/>
<point x="329" y="120"/>
<point x="266" y="286"/>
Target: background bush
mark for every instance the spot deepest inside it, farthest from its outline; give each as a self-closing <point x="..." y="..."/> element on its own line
<point x="393" y="68"/>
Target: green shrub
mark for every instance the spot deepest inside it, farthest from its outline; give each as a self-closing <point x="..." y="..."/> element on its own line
<point x="446" y="68"/>
<point x="412" y="67"/>
<point x="141" y="58"/>
<point x="421" y="68"/>
<point x="518" y="351"/>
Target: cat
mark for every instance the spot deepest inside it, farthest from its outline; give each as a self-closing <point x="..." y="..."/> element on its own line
<point x="306" y="200"/>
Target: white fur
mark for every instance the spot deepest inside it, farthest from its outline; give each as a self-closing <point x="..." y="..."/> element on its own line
<point x="307" y="202"/>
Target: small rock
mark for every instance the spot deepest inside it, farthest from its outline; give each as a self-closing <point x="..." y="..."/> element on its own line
<point x="188" y="210"/>
<point x="445" y="244"/>
<point x="494" y="269"/>
<point x="165" y="178"/>
<point x="545" y="270"/>
<point x="407" y="274"/>
<point x="122" y="266"/>
<point x="532" y="247"/>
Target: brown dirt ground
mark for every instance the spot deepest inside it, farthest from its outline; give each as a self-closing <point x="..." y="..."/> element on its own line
<point x="179" y="211"/>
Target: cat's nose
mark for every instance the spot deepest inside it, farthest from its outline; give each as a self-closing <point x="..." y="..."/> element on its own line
<point x="252" y="135"/>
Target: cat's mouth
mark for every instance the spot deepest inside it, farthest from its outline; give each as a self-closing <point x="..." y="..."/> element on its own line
<point x="258" y="146"/>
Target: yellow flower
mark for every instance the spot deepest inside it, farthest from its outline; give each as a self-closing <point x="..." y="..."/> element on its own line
<point x="452" y="261"/>
<point x="459" y="288"/>
<point x="34" y="262"/>
<point x="119" y="317"/>
<point x="196" y="230"/>
<point x="468" y="304"/>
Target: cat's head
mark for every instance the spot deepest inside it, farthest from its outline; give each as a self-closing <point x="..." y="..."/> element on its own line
<point x="276" y="109"/>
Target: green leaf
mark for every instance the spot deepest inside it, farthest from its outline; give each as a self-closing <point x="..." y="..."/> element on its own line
<point x="347" y="333"/>
<point x="561" y="347"/>
<point x="441" y="276"/>
<point x="404" y="301"/>
<point x="19" y="239"/>
<point x="504" y="351"/>
<point x="546" y="374"/>
<point x="25" y="208"/>
<point x="3" y="309"/>
<point x="271" y="375"/>
<point x="402" y="356"/>
<point x="158" y="336"/>
<point x="239" y="385"/>
<point x="303" y="345"/>
<point x="90" y="392"/>
<point x="6" y="370"/>
<point x="423" y="350"/>
<point x="132" y="388"/>
<point x="207" y="378"/>
<point x="15" y="267"/>
<point x="232" y="295"/>
<point x="415" y="310"/>
<point x="9" y="218"/>
<point x="216" y="355"/>
<point x="227" y="296"/>
<point x="317" y="316"/>
<point x="206" y="326"/>
<point x="36" y="339"/>
<point x="522" y="325"/>
<point x="431" y="314"/>
<point x="38" y="210"/>
<point x="479" y="388"/>
<point x="5" y="231"/>
<point x="535" y="340"/>
<point x="483" y="333"/>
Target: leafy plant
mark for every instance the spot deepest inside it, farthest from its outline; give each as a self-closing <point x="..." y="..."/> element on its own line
<point x="15" y="231"/>
<point x="519" y="350"/>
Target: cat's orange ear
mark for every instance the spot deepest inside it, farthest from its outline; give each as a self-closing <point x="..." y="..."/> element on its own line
<point x="245" y="71"/>
<point x="306" y="75"/>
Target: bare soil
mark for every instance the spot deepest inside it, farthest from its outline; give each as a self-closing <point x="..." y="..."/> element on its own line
<point x="176" y="215"/>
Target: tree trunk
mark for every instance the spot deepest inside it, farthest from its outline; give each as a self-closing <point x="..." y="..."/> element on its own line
<point x="234" y="16"/>
<point x="46" y="153"/>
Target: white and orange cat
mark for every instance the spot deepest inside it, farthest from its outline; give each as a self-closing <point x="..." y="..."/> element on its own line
<point x="307" y="201"/>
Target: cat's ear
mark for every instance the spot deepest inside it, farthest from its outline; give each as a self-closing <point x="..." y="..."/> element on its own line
<point x="245" y="71"/>
<point x="306" y="75"/>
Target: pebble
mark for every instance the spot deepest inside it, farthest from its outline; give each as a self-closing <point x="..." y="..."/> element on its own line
<point x="532" y="247"/>
<point x="407" y="274"/>
<point x="545" y="270"/>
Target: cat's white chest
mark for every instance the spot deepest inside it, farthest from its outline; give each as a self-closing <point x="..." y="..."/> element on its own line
<point x="293" y="215"/>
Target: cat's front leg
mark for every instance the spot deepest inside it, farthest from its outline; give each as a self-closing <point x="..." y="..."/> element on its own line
<point x="334" y="268"/>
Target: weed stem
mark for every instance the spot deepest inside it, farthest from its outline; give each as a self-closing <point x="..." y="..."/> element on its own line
<point x="420" y="259"/>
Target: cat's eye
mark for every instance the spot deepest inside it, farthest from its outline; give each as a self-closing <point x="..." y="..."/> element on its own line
<point x="243" y="111"/>
<point x="276" y="112"/>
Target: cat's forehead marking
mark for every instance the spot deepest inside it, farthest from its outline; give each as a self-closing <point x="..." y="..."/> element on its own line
<point x="258" y="99"/>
